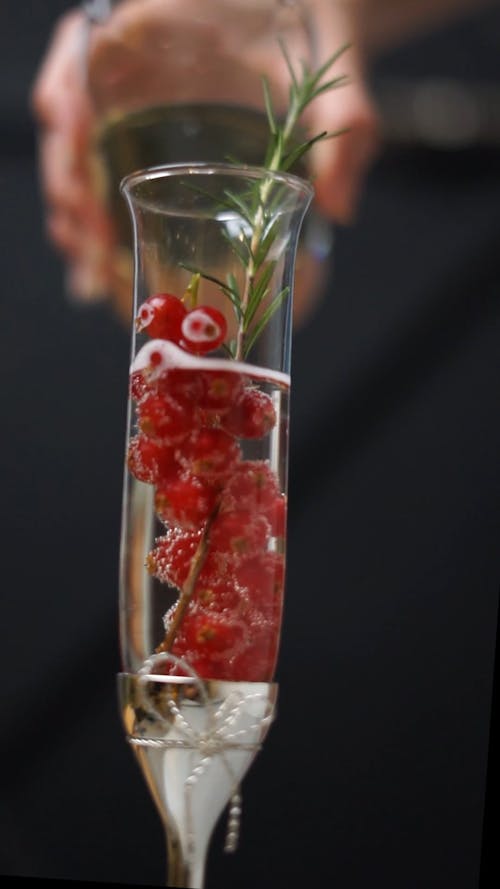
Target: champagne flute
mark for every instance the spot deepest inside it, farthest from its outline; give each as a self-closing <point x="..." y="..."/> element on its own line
<point x="204" y="508"/>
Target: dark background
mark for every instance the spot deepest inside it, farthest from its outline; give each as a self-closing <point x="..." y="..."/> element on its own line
<point x="375" y="771"/>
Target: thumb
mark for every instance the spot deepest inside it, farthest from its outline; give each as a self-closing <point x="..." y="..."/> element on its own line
<point x="339" y="163"/>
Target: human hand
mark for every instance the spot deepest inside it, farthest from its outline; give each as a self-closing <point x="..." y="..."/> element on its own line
<point x="77" y="219"/>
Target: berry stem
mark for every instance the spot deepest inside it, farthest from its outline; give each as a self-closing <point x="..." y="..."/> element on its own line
<point x="190" y="584"/>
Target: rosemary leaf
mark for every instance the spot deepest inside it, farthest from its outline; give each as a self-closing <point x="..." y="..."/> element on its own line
<point x="233" y="296"/>
<point x="318" y="74"/>
<point x="293" y="78"/>
<point x="269" y="106"/>
<point x="240" y="246"/>
<point x="293" y="156"/>
<point x="259" y="292"/>
<point x="266" y="317"/>
<point x="331" y="85"/>
<point x="234" y="200"/>
<point x="233" y="285"/>
<point x="266" y="243"/>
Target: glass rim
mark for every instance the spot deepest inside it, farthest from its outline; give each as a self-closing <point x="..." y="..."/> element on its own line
<point x="207" y="168"/>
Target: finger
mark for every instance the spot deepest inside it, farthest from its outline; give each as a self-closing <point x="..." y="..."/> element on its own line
<point x="64" y="233"/>
<point x="87" y="282"/>
<point x="59" y="97"/>
<point x="56" y="74"/>
<point x="61" y="182"/>
<point x="338" y="165"/>
<point x="88" y="262"/>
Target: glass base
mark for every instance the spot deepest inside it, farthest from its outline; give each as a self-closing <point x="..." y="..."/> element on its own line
<point x="194" y="741"/>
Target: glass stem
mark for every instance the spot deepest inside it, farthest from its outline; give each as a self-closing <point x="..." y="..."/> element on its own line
<point x="180" y="872"/>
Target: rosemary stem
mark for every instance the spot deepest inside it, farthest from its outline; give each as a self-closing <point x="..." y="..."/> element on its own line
<point x="258" y="223"/>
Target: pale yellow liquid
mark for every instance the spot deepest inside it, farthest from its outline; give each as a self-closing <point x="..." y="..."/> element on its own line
<point x="177" y="134"/>
<point x="167" y="134"/>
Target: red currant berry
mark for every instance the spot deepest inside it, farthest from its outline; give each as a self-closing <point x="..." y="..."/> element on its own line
<point x="252" y="486"/>
<point x="208" y="665"/>
<point x="241" y="533"/>
<point x="258" y="662"/>
<point x="150" y="461"/>
<point x="185" y="501"/>
<point x="203" y="329"/>
<point x="161" y="316"/>
<point x="252" y="416"/>
<point x="219" y="593"/>
<point x="138" y="385"/>
<point x="221" y="388"/>
<point x="164" y="418"/>
<point x="209" y="453"/>
<point x="276" y="516"/>
<point x="209" y="633"/>
<point x="171" y="558"/>
<point x="263" y="577"/>
<point x="181" y="383"/>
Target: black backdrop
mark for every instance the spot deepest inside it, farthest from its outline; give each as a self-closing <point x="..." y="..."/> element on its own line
<point x="374" y="773"/>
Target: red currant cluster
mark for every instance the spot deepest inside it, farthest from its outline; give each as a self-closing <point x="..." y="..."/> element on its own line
<point x="199" y="330"/>
<point x="220" y="511"/>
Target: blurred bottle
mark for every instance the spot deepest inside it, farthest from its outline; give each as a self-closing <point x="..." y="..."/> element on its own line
<point x="181" y="80"/>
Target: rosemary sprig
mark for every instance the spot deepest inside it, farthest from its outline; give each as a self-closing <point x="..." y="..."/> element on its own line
<point x="281" y="155"/>
<point x="304" y="88"/>
<point x="258" y="234"/>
